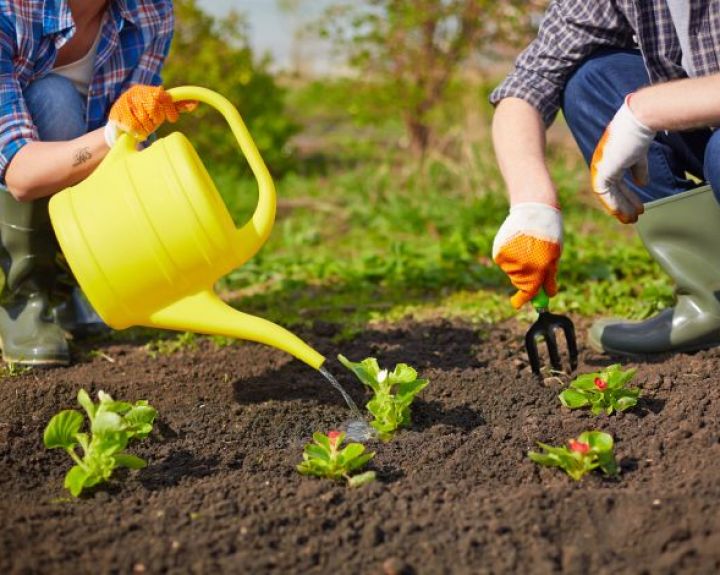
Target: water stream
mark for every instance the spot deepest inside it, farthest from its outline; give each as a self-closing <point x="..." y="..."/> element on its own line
<point x="357" y="429"/>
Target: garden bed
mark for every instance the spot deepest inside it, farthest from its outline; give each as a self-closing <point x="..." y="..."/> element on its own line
<point x="456" y="493"/>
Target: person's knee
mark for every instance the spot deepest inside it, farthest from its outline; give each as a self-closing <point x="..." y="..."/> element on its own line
<point x="600" y="83"/>
<point x="56" y="107"/>
<point x="711" y="164"/>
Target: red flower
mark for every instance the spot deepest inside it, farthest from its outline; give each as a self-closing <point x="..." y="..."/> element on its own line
<point x="333" y="436"/>
<point x="579" y="446"/>
<point x="600" y="384"/>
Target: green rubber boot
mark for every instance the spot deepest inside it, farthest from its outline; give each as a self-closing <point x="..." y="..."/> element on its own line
<point x="682" y="233"/>
<point x="28" y="335"/>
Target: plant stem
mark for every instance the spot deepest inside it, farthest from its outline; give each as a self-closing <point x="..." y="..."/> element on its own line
<point x="76" y="459"/>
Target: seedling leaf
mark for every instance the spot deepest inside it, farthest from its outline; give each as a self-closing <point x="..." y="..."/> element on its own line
<point x="86" y="403"/>
<point x="573" y="399"/>
<point x="393" y="393"/>
<point x="361" y="479"/>
<point x="62" y="429"/>
<point x="75" y="480"/>
<point x="129" y="461"/>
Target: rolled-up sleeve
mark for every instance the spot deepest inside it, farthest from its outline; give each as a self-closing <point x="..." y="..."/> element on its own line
<point x="571" y="30"/>
<point x="16" y="124"/>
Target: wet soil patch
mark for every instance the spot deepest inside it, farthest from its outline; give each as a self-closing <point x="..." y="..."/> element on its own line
<point x="456" y="492"/>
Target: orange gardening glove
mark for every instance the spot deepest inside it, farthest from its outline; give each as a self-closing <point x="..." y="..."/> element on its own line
<point x="141" y="110"/>
<point x="623" y="147"/>
<point x="527" y="248"/>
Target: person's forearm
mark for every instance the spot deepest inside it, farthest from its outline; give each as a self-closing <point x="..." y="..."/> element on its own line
<point x="519" y="140"/>
<point x="41" y="169"/>
<point x="679" y="105"/>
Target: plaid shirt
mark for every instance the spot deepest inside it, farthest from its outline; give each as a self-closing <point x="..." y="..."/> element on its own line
<point x="135" y="39"/>
<point x="573" y="29"/>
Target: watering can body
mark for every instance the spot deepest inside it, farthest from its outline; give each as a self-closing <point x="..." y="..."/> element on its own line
<point x="147" y="235"/>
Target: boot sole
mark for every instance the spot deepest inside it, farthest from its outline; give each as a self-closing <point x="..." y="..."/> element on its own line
<point x="599" y="348"/>
<point x="38" y="362"/>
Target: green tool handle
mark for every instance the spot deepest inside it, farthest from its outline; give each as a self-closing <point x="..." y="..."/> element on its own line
<point x="541" y="300"/>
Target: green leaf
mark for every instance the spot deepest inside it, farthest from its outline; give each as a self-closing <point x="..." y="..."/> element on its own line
<point x="408" y="390"/>
<point x="617" y="378"/>
<point x="367" y="371"/>
<point x="317" y="452"/>
<point x="107" y="422"/>
<point x="625" y="402"/>
<point x="350" y="452"/>
<point x="130" y="461"/>
<point x="62" y="429"/>
<point x="361" y="479"/>
<point x="403" y="373"/>
<point x="108" y="444"/>
<point x="316" y="467"/>
<point x="573" y="399"/>
<point x="139" y="420"/>
<point x="607" y="463"/>
<point x="598" y="441"/>
<point x="322" y="439"/>
<point x="86" y="403"/>
<point x="585" y="381"/>
<point x="360" y="461"/>
<point x="75" y="480"/>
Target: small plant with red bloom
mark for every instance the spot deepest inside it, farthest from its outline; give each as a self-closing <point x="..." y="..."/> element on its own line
<point x="603" y="391"/>
<point x="590" y="450"/>
<point x="325" y="458"/>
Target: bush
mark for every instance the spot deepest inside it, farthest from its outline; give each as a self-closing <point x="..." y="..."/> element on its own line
<point x="215" y="53"/>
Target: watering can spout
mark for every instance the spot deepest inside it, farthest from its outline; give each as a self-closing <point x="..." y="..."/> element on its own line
<point x="205" y="312"/>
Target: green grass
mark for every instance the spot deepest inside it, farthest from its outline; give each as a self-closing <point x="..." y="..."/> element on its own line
<point x="385" y="239"/>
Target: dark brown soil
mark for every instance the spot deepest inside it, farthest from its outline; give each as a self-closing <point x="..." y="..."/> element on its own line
<point x="456" y="492"/>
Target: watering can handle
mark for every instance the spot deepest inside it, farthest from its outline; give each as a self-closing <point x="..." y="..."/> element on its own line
<point x="255" y="232"/>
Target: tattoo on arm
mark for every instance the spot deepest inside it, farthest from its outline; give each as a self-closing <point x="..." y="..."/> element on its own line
<point x="81" y="155"/>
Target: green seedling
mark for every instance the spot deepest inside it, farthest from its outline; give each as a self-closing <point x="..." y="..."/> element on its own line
<point x="112" y="425"/>
<point x="591" y="450"/>
<point x="324" y="458"/>
<point x="393" y="393"/>
<point x="602" y="391"/>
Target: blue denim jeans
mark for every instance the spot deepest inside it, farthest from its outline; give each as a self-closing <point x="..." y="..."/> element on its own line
<point x="594" y="93"/>
<point x="57" y="108"/>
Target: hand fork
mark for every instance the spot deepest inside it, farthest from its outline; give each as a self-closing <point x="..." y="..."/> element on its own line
<point x="544" y="328"/>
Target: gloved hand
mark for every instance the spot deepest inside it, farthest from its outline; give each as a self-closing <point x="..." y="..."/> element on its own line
<point x="527" y="248"/>
<point x="624" y="145"/>
<point x="141" y="110"/>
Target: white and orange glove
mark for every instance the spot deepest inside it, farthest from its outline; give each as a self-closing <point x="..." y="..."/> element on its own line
<point x="141" y="110"/>
<point x="527" y="248"/>
<point x="623" y="146"/>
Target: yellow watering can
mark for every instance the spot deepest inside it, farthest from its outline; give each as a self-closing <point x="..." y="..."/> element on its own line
<point x="147" y="235"/>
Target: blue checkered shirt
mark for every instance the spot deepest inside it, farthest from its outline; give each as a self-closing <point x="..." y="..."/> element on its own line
<point x="135" y="39"/>
<point x="573" y="29"/>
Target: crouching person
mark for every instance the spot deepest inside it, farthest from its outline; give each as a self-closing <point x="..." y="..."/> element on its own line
<point x="73" y="75"/>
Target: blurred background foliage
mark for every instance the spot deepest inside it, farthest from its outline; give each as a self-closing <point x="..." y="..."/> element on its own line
<point x="216" y="53"/>
<point x="388" y="192"/>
